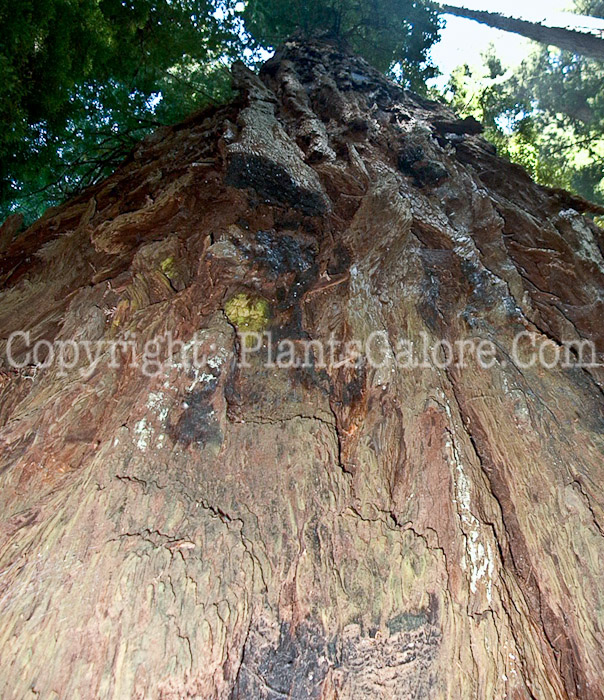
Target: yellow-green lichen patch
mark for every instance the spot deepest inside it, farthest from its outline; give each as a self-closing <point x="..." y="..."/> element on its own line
<point x="248" y="314"/>
<point x="168" y="267"/>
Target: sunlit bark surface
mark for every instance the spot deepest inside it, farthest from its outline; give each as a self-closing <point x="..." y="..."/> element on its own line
<point x="338" y="531"/>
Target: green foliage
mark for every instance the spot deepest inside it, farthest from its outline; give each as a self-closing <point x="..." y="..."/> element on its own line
<point x="82" y="81"/>
<point x="595" y="8"/>
<point x="388" y="33"/>
<point x="79" y="82"/>
<point x="547" y="115"/>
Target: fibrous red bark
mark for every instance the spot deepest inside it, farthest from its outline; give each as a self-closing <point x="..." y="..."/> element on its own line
<point x="338" y="531"/>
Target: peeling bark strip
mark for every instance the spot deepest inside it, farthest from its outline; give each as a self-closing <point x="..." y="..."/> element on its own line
<point x="342" y="532"/>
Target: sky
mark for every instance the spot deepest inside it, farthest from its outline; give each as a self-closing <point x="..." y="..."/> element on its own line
<point x="463" y="40"/>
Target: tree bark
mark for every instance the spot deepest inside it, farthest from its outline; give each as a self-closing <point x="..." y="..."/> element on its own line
<point x="567" y="39"/>
<point x="339" y="531"/>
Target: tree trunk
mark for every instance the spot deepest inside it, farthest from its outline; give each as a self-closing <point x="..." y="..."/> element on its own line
<point x="567" y="39"/>
<point x="353" y="528"/>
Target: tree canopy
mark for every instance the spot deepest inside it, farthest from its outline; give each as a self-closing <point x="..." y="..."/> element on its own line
<point x="386" y="32"/>
<point x="81" y="81"/>
<point x="548" y="114"/>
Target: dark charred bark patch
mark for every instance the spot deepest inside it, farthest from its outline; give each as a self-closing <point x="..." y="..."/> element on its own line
<point x="293" y="667"/>
<point x="198" y="424"/>
<point x="282" y="253"/>
<point x="273" y="183"/>
<point x="412" y="161"/>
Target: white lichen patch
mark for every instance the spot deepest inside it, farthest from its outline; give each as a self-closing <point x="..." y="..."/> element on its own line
<point x="195" y="363"/>
<point x="478" y="556"/>
<point x="158" y="405"/>
<point x="217" y="361"/>
<point x="199" y="366"/>
<point x="200" y="377"/>
<point x="144" y="432"/>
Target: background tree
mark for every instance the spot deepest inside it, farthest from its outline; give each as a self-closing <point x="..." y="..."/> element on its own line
<point x="567" y="39"/>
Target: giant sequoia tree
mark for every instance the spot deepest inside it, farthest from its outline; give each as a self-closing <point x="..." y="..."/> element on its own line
<point x="338" y="529"/>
